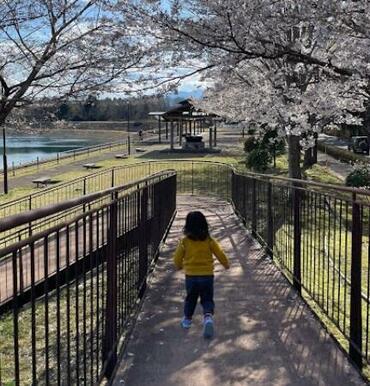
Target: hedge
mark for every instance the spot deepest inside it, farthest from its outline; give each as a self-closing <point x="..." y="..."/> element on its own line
<point x="341" y="154"/>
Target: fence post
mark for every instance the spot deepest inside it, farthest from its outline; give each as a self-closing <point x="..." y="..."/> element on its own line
<point x="297" y="239"/>
<point x="129" y="145"/>
<point x="30" y="208"/>
<point x="270" y="221"/>
<point x="143" y="245"/>
<point x="254" y="208"/>
<point x="112" y="183"/>
<point x="355" y="342"/>
<point x="110" y="336"/>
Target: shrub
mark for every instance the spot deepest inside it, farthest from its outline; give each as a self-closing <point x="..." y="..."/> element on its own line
<point x="341" y="154"/>
<point x="258" y="159"/>
<point x="359" y="177"/>
<point x="250" y="144"/>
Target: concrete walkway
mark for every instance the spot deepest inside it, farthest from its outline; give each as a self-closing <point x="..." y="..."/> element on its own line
<point x="264" y="334"/>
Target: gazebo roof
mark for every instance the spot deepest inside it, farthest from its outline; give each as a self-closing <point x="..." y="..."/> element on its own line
<point x="185" y="110"/>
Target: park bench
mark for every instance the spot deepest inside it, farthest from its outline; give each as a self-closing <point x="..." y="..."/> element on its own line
<point x="90" y="166"/>
<point x="121" y="156"/>
<point x="42" y="181"/>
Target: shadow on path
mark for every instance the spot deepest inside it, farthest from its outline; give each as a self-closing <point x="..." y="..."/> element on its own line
<point x="264" y="333"/>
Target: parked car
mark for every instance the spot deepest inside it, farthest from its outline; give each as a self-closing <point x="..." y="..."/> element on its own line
<point x="359" y="144"/>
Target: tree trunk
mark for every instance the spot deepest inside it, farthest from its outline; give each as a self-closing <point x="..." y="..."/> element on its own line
<point x="307" y="160"/>
<point x="294" y="156"/>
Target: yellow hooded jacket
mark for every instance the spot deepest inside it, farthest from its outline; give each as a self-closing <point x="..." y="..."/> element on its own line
<point x="196" y="257"/>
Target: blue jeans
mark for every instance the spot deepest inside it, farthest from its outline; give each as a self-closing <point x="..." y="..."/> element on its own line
<point x="198" y="286"/>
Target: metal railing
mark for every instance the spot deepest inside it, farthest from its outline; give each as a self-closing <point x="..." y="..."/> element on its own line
<point x="320" y="239"/>
<point x="82" y="282"/>
<point x="317" y="234"/>
<point x="68" y="154"/>
<point x="193" y="177"/>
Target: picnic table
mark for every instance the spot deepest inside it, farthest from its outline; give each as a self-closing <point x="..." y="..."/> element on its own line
<point x="42" y="181"/>
<point x="140" y="150"/>
<point x="121" y="156"/>
<point x="90" y="166"/>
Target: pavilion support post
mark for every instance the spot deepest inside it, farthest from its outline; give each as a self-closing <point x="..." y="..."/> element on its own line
<point x="166" y="130"/>
<point x="210" y="137"/>
<point x="215" y="136"/>
<point x="159" y="130"/>
<point x="180" y="136"/>
<point x="177" y="128"/>
<point x="172" y="136"/>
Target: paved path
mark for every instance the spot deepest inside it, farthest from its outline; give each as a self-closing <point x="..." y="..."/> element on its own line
<point x="264" y="334"/>
<point x="339" y="169"/>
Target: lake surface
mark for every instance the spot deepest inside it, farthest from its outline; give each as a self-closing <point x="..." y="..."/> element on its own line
<point x="26" y="148"/>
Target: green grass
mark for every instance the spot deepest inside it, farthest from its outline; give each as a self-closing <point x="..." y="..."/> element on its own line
<point x="80" y="312"/>
<point x="326" y="262"/>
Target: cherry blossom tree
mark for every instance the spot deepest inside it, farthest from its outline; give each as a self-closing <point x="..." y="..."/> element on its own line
<point x="57" y="49"/>
<point x="252" y="94"/>
<point x="307" y="52"/>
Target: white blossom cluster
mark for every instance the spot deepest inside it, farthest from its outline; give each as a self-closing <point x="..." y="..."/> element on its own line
<point x="292" y="66"/>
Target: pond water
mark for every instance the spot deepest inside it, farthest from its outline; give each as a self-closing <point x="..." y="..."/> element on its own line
<point x="26" y="148"/>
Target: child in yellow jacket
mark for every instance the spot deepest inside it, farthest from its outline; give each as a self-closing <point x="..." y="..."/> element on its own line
<point x="194" y="255"/>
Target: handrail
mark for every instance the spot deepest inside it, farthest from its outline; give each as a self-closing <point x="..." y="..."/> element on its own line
<point x="345" y="189"/>
<point x="10" y="222"/>
<point x="66" y="154"/>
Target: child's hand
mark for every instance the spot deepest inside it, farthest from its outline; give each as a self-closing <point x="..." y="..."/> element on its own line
<point x="227" y="266"/>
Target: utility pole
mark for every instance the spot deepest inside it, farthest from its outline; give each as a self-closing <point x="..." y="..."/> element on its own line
<point x="128" y="129"/>
<point x="5" y="160"/>
<point x="5" y="163"/>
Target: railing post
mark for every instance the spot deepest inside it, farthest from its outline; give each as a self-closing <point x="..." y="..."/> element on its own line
<point x="112" y="181"/>
<point x="110" y="337"/>
<point x="297" y="239"/>
<point x="355" y="342"/>
<point x="143" y="245"/>
<point x="254" y="208"/>
<point x="30" y="223"/>
<point x="270" y="221"/>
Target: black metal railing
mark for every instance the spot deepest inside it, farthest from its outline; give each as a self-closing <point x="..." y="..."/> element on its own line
<point x="319" y="235"/>
<point x="194" y="177"/>
<point x="81" y="281"/>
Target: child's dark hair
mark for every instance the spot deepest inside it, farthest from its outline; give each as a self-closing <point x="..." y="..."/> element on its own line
<point x="196" y="226"/>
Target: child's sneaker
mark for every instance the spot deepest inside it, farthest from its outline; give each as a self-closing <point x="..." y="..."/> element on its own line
<point x="208" y="328"/>
<point x="185" y="323"/>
